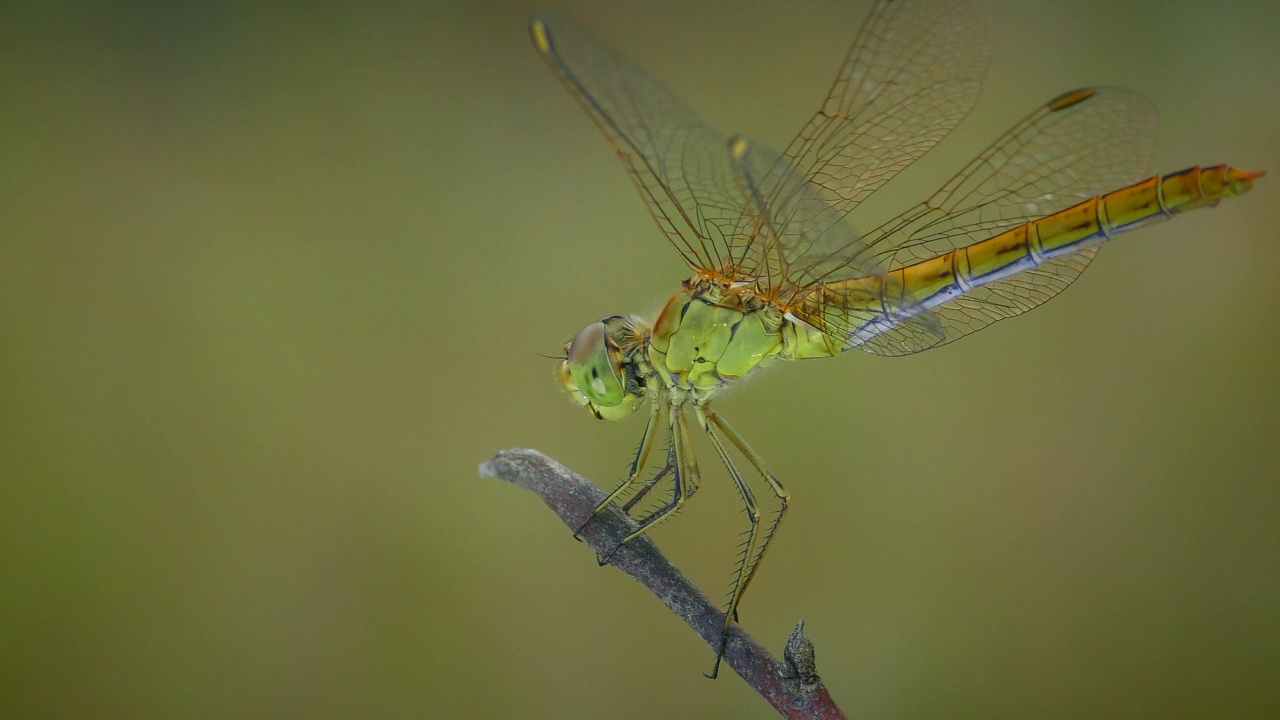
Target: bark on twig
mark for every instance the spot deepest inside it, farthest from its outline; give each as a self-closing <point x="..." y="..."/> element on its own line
<point x="792" y="687"/>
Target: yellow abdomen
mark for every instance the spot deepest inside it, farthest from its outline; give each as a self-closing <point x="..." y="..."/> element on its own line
<point x="883" y="302"/>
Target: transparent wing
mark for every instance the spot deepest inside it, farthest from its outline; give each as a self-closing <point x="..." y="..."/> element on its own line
<point x="768" y="256"/>
<point x="913" y="73"/>
<point x="678" y="162"/>
<point x="1062" y="154"/>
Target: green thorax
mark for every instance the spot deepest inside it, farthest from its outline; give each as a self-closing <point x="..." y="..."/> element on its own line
<point x="708" y="335"/>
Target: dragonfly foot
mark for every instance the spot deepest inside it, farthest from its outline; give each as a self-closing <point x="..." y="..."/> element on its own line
<point x="577" y="534"/>
<point x="608" y="557"/>
<point x="724" y="644"/>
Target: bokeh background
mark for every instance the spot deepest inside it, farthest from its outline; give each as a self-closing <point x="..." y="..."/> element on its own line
<point x="274" y="281"/>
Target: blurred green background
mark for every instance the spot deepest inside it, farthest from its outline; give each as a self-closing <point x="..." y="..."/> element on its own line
<point x="274" y="282"/>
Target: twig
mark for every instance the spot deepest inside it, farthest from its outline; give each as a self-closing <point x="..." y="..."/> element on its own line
<point x="793" y="689"/>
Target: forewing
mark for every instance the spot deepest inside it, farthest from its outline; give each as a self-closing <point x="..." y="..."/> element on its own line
<point x="678" y="162"/>
<point x="767" y="255"/>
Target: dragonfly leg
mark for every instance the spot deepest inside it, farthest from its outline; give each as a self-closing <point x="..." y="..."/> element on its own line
<point x="637" y="466"/>
<point x="657" y="477"/>
<point x="684" y="473"/>
<point x="756" y="544"/>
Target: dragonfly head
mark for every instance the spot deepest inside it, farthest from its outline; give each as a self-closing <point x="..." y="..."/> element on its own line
<point x="599" y="372"/>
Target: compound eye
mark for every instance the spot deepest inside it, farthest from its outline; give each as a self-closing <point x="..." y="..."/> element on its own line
<point x="596" y="371"/>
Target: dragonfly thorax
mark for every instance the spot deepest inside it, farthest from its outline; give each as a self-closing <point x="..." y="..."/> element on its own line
<point x="709" y="335"/>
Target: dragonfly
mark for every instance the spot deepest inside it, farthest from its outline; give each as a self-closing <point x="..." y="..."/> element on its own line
<point x="779" y="272"/>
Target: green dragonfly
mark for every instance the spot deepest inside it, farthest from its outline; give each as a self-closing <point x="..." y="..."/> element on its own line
<point x="778" y="273"/>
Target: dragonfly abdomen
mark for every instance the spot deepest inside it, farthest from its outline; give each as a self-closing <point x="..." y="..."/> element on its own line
<point x="1138" y="205"/>
<point x="935" y="281"/>
<point x="874" y="312"/>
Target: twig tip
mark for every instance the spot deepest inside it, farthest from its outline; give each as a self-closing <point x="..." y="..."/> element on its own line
<point x="800" y="659"/>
